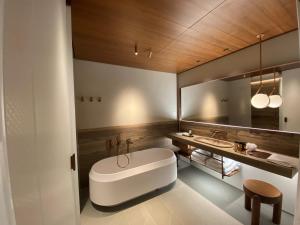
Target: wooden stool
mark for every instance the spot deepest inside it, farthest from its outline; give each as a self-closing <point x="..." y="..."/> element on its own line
<point x="262" y="192"/>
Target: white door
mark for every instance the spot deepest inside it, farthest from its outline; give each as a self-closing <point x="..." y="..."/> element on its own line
<point x="6" y="209"/>
<point x="297" y="211"/>
<point x="39" y="112"/>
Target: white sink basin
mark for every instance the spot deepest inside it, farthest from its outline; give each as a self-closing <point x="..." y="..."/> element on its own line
<point x="214" y="142"/>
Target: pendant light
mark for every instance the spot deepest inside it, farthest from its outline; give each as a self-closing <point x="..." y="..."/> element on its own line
<point x="260" y="100"/>
<point x="275" y="100"/>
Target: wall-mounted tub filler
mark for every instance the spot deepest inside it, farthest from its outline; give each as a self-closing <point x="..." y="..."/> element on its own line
<point x="148" y="170"/>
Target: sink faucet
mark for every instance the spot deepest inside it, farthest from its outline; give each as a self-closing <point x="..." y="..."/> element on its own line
<point x="218" y="134"/>
<point x="128" y="142"/>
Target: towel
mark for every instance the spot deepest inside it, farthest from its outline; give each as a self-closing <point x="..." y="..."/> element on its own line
<point x="229" y="165"/>
<point x="251" y="146"/>
<point x="217" y="157"/>
<point x="204" y="157"/>
<point x="199" y="158"/>
<point x="203" y="152"/>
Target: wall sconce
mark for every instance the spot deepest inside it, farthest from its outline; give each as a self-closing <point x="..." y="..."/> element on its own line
<point x="90" y="99"/>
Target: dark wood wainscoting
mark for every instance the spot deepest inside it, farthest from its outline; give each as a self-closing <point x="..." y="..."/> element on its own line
<point x="93" y="143"/>
<point x="279" y="142"/>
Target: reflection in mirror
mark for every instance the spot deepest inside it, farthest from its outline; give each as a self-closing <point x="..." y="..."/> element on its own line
<point x="228" y="101"/>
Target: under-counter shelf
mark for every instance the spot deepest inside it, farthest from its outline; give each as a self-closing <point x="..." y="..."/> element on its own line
<point x="263" y="164"/>
<point x="205" y="158"/>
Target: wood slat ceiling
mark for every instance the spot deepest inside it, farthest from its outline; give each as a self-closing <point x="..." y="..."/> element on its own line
<point x="181" y="33"/>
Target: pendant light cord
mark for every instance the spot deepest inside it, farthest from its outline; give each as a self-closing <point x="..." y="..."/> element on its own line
<point x="274" y="84"/>
<point x="260" y="62"/>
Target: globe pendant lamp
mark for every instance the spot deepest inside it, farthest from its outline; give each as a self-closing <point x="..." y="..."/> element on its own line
<point x="275" y="100"/>
<point x="260" y="100"/>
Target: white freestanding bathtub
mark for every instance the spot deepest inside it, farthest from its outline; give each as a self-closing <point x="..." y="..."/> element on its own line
<point x="148" y="170"/>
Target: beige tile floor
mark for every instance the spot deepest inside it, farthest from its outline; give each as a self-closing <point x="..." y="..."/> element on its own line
<point x="179" y="206"/>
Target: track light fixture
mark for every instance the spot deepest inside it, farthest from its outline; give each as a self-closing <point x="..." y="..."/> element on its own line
<point x="136" y="49"/>
<point x="149" y="53"/>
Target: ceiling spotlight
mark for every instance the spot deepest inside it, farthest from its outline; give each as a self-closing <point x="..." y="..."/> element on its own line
<point x="150" y="53"/>
<point x="136" y="49"/>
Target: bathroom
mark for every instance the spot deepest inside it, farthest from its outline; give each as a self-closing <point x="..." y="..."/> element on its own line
<point x="149" y="112"/>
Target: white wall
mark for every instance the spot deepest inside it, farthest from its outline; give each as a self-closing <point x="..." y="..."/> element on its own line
<point x="129" y="95"/>
<point x="291" y="99"/>
<point x="204" y="101"/>
<point x="39" y="112"/>
<point x="239" y="97"/>
<point x="278" y="50"/>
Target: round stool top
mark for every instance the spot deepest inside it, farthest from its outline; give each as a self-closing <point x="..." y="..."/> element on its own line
<point x="261" y="188"/>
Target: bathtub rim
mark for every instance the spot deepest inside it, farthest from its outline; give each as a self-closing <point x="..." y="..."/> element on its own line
<point x="98" y="177"/>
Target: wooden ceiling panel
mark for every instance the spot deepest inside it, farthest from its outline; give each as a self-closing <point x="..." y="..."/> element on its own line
<point x="89" y="50"/>
<point x="244" y="19"/>
<point x="184" y="13"/>
<point x="181" y="34"/>
<point x="205" y="45"/>
<point x="122" y="30"/>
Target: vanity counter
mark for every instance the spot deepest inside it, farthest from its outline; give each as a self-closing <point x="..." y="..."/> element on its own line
<point x="264" y="164"/>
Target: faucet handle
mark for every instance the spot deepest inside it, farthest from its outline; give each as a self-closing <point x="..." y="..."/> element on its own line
<point x="219" y="133"/>
<point x="118" y="139"/>
<point x="129" y="141"/>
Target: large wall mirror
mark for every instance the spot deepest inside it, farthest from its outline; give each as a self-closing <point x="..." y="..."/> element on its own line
<point x="228" y="101"/>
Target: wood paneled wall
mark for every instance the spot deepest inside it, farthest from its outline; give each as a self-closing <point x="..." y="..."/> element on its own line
<point x="279" y="142"/>
<point x="92" y="144"/>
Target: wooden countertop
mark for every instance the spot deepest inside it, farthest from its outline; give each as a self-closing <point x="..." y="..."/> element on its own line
<point x="243" y="158"/>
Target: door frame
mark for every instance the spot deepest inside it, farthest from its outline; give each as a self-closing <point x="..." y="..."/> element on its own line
<point x="7" y="213"/>
<point x="297" y="207"/>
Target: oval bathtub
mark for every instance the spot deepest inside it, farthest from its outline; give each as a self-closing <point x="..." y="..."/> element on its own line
<point x="148" y="170"/>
